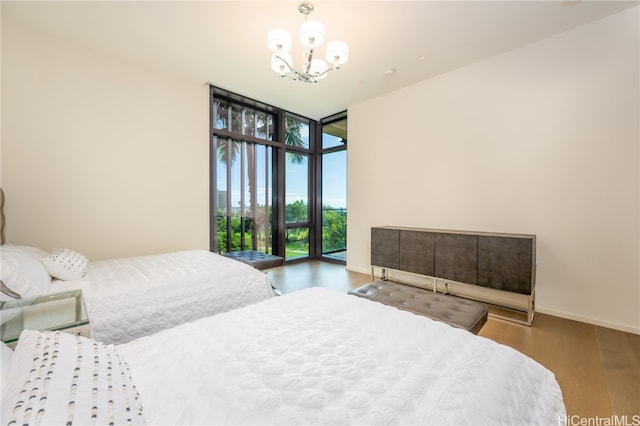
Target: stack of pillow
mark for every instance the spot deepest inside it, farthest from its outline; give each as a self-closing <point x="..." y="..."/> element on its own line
<point x="28" y="271"/>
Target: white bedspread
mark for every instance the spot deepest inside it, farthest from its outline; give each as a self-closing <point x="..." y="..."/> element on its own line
<point x="321" y="357"/>
<point x="136" y="296"/>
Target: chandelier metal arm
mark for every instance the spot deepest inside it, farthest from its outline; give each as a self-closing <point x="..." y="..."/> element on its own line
<point x="325" y="72"/>
<point x="291" y="69"/>
<point x="309" y="57"/>
<point x="299" y="76"/>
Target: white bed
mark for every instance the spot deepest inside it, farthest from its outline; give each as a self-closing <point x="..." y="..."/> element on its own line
<point x="315" y="356"/>
<point x="132" y="297"/>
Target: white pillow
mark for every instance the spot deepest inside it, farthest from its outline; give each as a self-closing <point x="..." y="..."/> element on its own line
<point x="66" y="264"/>
<point x="23" y="272"/>
<point x="61" y="378"/>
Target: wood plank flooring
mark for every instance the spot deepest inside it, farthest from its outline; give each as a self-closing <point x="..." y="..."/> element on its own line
<point x="597" y="368"/>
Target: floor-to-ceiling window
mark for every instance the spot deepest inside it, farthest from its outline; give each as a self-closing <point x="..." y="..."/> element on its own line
<point x="333" y="190"/>
<point x="242" y="182"/>
<point x="298" y="201"/>
<point x="278" y="180"/>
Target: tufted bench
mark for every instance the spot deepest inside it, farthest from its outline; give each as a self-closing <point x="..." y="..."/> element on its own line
<point x="256" y="259"/>
<point x="456" y="311"/>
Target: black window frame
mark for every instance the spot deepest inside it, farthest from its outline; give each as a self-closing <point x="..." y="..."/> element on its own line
<point x="320" y="152"/>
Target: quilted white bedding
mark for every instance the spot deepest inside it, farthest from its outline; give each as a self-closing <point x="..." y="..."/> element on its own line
<point x="132" y="297"/>
<point x="321" y="357"/>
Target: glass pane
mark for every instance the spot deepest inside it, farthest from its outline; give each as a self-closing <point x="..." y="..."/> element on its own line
<point x="235" y="118"/>
<point x="334" y="204"/>
<point x="263" y="196"/>
<point x="228" y="162"/>
<point x="334" y="134"/>
<point x="243" y="196"/>
<point x="297" y="188"/>
<point x="264" y="126"/>
<point x="297" y="133"/>
<point x="296" y="243"/>
<point x="227" y="116"/>
<point x="221" y="115"/>
<point x="221" y="146"/>
<point x="233" y="191"/>
<point x="247" y="183"/>
<point x="249" y="122"/>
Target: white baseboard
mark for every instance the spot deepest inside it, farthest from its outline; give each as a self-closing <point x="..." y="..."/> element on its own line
<point x="588" y="320"/>
<point x="360" y="270"/>
<point x="555" y="313"/>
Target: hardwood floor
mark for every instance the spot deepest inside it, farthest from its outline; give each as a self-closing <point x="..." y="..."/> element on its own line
<point x="597" y="368"/>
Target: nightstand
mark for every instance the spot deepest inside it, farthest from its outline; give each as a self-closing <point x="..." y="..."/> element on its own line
<point x="56" y="311"/>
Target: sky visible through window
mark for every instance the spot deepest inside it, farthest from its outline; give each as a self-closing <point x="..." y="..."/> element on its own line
<point x="334" y="180"/>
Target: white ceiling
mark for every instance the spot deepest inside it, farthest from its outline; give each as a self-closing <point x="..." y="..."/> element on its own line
<point x="224" y="42"/>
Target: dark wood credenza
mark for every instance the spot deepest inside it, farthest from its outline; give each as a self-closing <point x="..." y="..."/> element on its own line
<point x="498" y="261"/>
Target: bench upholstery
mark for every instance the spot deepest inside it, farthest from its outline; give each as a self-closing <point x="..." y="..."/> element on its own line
<point x="455" y="311"/>
<point x="256" y="259"/>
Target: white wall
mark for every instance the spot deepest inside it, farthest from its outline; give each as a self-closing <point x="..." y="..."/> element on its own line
<point x="101" y="155"/>
<point x="541" y="140"/>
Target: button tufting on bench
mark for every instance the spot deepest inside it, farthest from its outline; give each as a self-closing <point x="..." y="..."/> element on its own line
<point x="455" y="311"/>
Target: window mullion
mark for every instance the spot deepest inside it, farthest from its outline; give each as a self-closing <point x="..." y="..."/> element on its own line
<point x="267" y="179"/>
<point x="243" y="168"/>
<point x="228" y="194"/>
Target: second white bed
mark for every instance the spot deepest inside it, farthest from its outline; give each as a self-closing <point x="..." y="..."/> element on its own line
<point x="132" y="297"/>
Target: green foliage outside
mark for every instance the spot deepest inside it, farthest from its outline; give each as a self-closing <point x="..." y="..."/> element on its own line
<point x="334" y="231"/>
<point x="297" y="243"/>
<point x="296" y="212"/>
<point x="249" y="225"/>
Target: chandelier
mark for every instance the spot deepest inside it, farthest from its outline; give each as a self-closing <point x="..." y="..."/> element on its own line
<point x="311" y="37"/>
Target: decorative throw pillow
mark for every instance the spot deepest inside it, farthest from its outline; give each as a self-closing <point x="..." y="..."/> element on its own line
<point x="66" y="264"/>
<point x="22" y="272"/>
<point x="61" y="378"/>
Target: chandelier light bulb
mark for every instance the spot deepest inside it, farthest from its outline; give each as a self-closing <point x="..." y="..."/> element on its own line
<point x="337" y="53"/>
<point x="311" y="33"/>
<point x="279" y="63"/>
<point x="279" y="40"/>
<point x="318" y="68"/>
